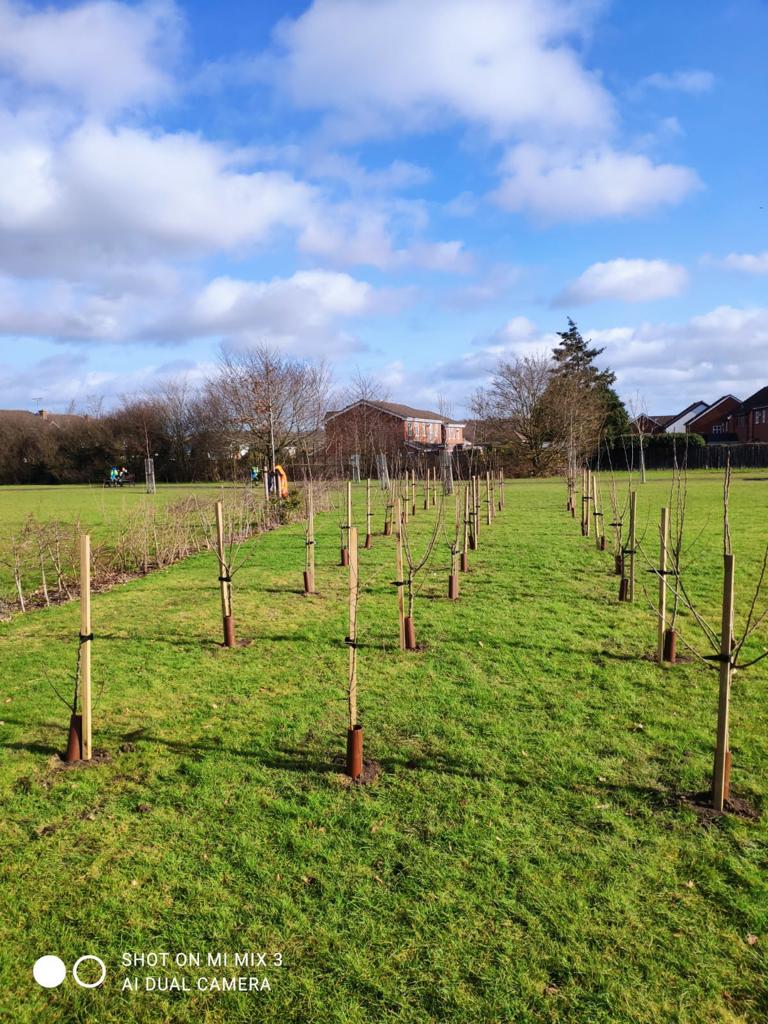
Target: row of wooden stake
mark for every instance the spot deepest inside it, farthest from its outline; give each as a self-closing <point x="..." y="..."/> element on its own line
<point x="666" y="640"/>
<point x="468" y="516"/>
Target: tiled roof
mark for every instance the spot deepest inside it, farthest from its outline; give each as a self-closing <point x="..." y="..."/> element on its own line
<point x="405" y="412"/>
<point x="756" y="401"/>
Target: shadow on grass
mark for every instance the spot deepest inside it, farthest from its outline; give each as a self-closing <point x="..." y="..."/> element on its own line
<point x="297" y="759"/>
<point x="37" y="748"/>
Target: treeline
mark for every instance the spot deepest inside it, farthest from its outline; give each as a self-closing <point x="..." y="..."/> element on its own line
<point x="258" y="407"/>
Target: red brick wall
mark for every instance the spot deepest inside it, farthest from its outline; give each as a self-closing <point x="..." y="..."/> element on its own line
<point x="365" y="431"/>
<point x="453" y="435"/>
<point x="747" y="428"/>
<point x="759" y="425"/>
<point x="709" y="419"/>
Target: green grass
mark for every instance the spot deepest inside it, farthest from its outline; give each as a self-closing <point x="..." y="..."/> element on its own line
<point x="99" y="508"/>
<point x="521" y="857"/>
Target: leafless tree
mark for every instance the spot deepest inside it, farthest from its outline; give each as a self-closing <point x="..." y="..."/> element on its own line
<point x="267" y="403"/>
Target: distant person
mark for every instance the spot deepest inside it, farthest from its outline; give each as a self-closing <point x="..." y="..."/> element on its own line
<point x="113" y="476"/>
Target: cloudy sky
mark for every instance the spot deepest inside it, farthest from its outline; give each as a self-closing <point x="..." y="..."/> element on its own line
<point x="411" y="188"/>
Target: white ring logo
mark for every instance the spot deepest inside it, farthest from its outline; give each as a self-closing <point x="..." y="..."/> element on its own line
<point x="89" y="984"/>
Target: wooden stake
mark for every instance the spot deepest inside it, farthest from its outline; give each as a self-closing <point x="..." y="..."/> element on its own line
<point x="501" y="490"/>
<point x="413" y="492"/>
<point x="465" y="545"/>
<point x="663" y="542"/>
<point x="488" y="500"/>
<point x="720" y="780"/>
<point x="309" y="582"/>
<point x="584" y="501"/>
<point x="349" y="509"/>
<point x="266" y="484"/>
<point x="368" y="513"/>
<point x="632" y="544"/>
<point x="588" y="505"/>
<point x="434" y="487"/>
<point x="596" y="511"/>
<point x="225" y="583"/>
<point x="86" y="639"/>
<point x="399" y="580"/>
<point x="352" y="634"/>
<point x="476" y="520"/>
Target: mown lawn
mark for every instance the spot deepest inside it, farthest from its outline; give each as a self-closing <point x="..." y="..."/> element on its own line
<point x="522" y="857"/>
<point x="101" y="508"/>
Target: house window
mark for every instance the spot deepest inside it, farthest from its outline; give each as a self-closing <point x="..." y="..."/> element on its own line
<point x="718" y="428"/>
<point x="761" y="416"/>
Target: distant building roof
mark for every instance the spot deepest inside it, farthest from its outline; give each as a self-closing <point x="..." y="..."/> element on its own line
<point x="756" y="401"/>
<point x="710" y="409"/>
<point x="58" y="419"/>
<point x="403" y="412"/>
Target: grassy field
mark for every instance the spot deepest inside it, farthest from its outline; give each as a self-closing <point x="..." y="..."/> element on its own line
<point x="523" y="855"/>
<point x="98" y="508"/>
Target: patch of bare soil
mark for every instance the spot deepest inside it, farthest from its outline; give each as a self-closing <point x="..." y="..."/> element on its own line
<point x="98" y="757"/>
<point x="371" y="771"/>
<point x="680" y="659"/>
<point x="701" y="805"/>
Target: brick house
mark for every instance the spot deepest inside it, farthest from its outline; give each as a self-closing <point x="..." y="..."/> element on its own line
<point x="712" y="424"/>
<point x="368" y="427"/>
<point x="711" y="421"/>
<point x="645" y="424"/>
<point x="749" y="422"/>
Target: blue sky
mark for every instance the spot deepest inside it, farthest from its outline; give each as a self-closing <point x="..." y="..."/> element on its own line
<point x="414" y="190"/>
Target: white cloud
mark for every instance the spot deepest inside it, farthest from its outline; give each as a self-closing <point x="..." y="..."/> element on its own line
<point x="716" y="352"/>
<point x="304" y="312"/>
<point x="399" y="174"/>
<point x="494" y="284"/>
<point x="561" y="186"/>
<point x="106" y="196"/>
<point x="112" y="197"/>
<point x="398" y="65"/>
<point x="363" y="233"/>
<point x="103" y="54"/>
<point x="54" y="382"/>
<point x="301" y="309"/>
<point x="463" y="205"/>
<point x="668" y="364"/>
<point x="746" y="262"/>
<point x="625" y="280"/>
<point x="693" y="82"/>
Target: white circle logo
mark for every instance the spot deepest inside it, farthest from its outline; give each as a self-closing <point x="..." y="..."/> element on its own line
<point x="49" y="971"/>
<point x="89" y="984"/>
